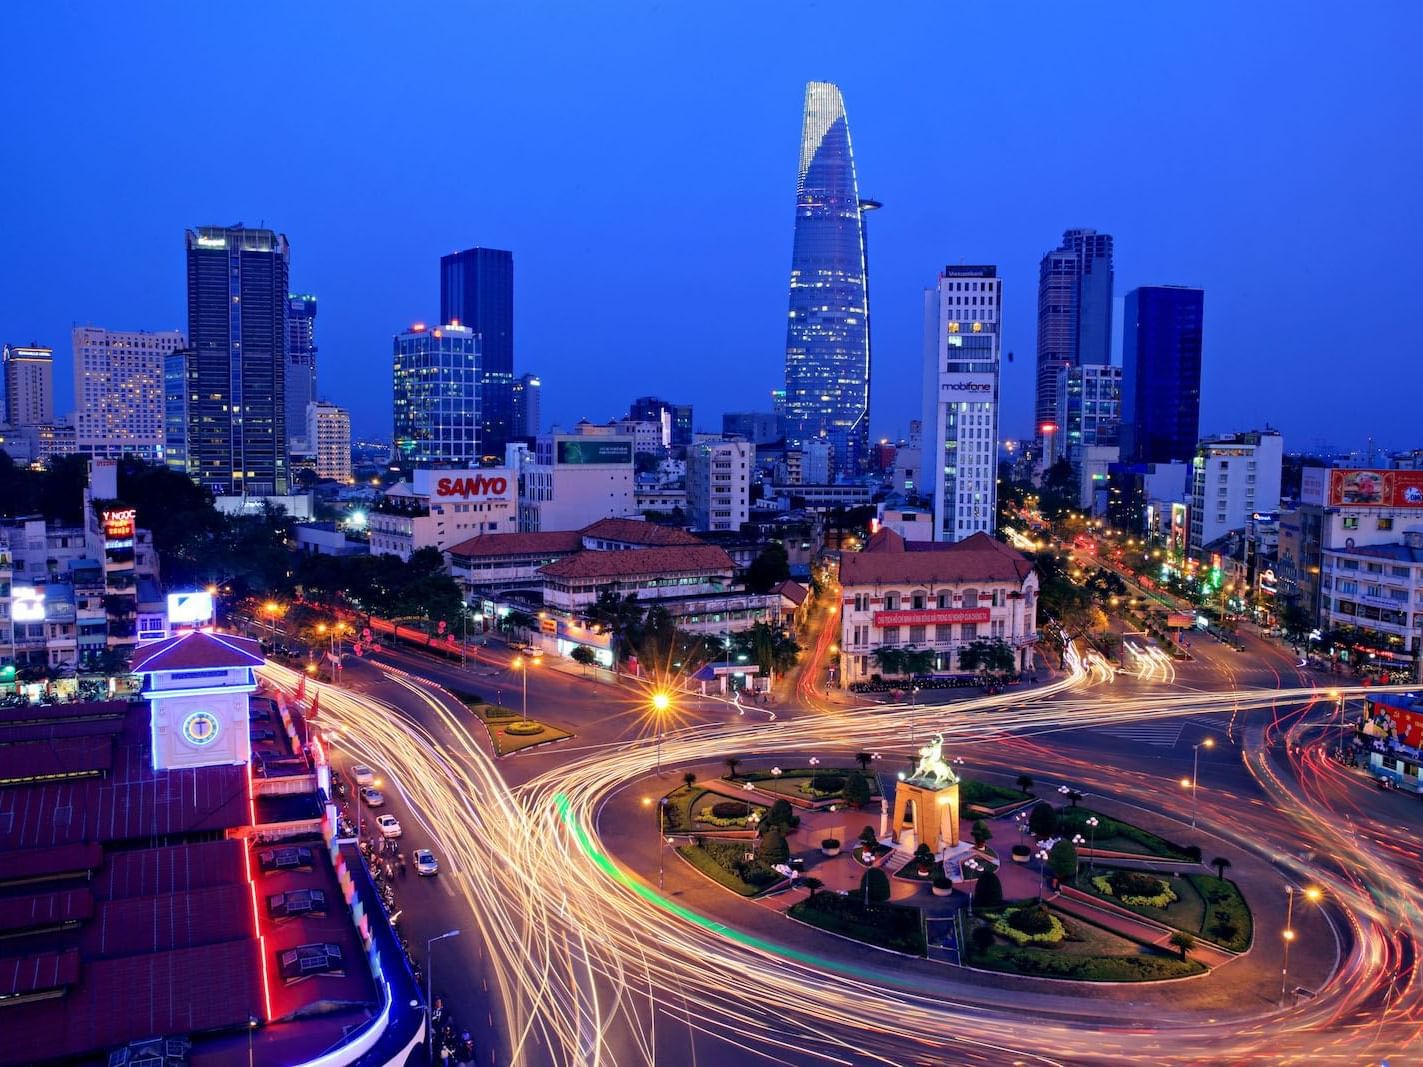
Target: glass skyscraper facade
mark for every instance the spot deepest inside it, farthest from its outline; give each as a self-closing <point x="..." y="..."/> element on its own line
<point x="301" y="362"/>
<point x="828" y="335"/>
<point x="237" y="323"/>
<point x="1074" y="316"/>
<point x="437" y="396"/>
<point x="1161" y="373"/>
<point x="477" y="290"/>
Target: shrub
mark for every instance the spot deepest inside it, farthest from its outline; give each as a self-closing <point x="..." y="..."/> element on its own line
<point x="772" y="848"/>
<point x="827" y="784"/>
<point x="981" y="938"/>
<point x="524" y="729"/>
<point x="1022" y="850"/>
<point x="857" y="790"/>
<point x="1043" y="820"/>
<point x="988" y="892"/>
<point x="1136" y="888"/>
<point x="981" y="833"/>
<point x="1062" y="859"/>
<point x="780" y="815"/>
<point x="1052" y="932"/>
<point x="728" y="809"/>
<point x="830" y="843"/>
<point x="1031" y="920"/>
<point x="868" y="837"/>
<point x="874" y="883"/>
<point x="924" y="854"/>
<point x="940" y="882"/>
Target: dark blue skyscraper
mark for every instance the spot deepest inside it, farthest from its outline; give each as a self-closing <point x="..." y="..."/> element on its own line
<point x="1074" y="315"/>
<point x="1161" y="373"/>
<point x="828" y="336"/>
<point x="237" y="336"/>
<point x="301" y="362"/>
<point x="477" y="290"/>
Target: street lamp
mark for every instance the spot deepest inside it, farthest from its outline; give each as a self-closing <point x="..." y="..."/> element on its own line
<point x="660" y="703"/>
<point x="1208" y="742"/>
<point x="1042" y="867"/>
<point x="1313" y="894"/>
<point x="913" y="690"/>
<point x="1077" y="840"/>
<point x="522" y="664"/>
<point x="973" y="867"/>
<point x="429" y="987"/>
<point x="1092" y="842"/>
<point x="661" y="833"/>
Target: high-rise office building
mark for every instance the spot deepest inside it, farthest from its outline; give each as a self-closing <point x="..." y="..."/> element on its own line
<point x="1161" y="373"/>
<point x="477" y="290"/>
<point x="828" y="333"/>
<point x="119" y="391"/>
<point x="328" y="433"/>
<point x="1074" y="315"/>
<point x="527" y="417"/>
<point x="1232" y="478"/>
<point x="676" y="417"/>
<point x="237" y="323"/>
<point x="1091" y="405"/>
<point x="437" y="396"/>
<point x="301" y="363"/>
<point x="177" y="393"/>
<point x="29" y="385"/>
<point x="960" y="424"/>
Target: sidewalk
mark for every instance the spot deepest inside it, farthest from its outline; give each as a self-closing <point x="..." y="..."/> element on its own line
<point x="1130" y="925"/>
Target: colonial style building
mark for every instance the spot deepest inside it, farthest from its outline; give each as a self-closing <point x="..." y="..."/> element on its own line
<point x="933" y="596"/>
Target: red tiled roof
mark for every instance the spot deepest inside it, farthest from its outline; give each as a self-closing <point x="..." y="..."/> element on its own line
<point x="170" y="921"/>
<point x="701" y="559"/>
<point x="55" y="757"/>
<point x="34" y="974"/>
<point x="148" y="872"/>
<point x="887" y="558"/>
<point x="639" y="532"/>
<point x="196" y="650"/>
<point x="549" y="542"/>
<point x="46" y="909"/>
<point x="793" y="591"/>
<point x="36" y="863"/>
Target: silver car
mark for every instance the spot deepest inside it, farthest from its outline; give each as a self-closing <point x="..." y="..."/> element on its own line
<point x="425" y="862"/>
<point x="374" y="798"/>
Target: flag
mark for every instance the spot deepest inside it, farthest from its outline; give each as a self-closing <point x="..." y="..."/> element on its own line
<point x="315" y="703"/>
<point x="301" y="689"/>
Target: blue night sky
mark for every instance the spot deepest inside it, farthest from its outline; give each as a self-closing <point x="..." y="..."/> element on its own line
<point x="640" y="162"/>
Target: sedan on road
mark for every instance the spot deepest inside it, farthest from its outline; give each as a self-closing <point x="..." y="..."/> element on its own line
<point x="425" y="862"/>
<point x="389" y="825"/>
<point x="374" y="798"/>
<point x="363" y="774"/>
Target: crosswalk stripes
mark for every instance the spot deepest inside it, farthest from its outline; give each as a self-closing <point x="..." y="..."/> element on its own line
<point x="1159" y="734"/>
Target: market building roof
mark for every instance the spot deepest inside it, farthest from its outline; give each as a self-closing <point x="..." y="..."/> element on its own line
<point x="637" y="562"/>
<point x="197" y="649"/>
<point x="887" y="558"/>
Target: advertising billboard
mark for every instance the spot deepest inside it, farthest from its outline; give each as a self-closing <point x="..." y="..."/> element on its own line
<point x="1376" y="488"/>
<point x="190" y="609"/>
<point x="27" y="604"/>
<point x="119" y="525"/>
<point x="588" y="450"/>
<point x="966" y="387"/>
<point x="479" y="484"/>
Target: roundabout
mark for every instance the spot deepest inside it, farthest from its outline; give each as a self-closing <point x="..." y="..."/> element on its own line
<point x="594" y="963"/>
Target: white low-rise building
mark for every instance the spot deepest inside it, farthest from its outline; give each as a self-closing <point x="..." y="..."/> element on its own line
<point x="440" y="508"/>
<point x="934" y="596"/>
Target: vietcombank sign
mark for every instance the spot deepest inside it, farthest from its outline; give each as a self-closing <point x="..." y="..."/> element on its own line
<point x="592" y="450"/>
<point x="480" y="484"/>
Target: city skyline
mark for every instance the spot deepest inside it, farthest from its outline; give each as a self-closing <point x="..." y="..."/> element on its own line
<point x="1193" y="201"/>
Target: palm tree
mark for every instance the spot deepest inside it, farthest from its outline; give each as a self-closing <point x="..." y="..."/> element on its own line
<point x="1220" y="863"/>
<point x="1182" y="941"/>
<point x="863" y="759"/>
<point x="889" y="659"/>
<point x="1025" y="783"/>
<point x="1073" y="796"/>
<point x="731" y="764"/>
<point x="690" y="779"/>
<point x="811" y="886"/>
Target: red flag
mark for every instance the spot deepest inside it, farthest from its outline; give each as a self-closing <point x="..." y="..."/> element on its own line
<point x="315" y="703"/>
<point x="301" y="689"/>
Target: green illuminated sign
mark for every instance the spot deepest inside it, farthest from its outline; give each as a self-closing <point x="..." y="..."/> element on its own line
<point x="593" y="450"/>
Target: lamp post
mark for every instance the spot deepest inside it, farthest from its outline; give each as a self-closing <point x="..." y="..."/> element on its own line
<point x="913" y="690"/>
<point x="1092" y="842"/>
<point x="1042" y="867"/>
<point x="1076" y="859"/>
<point x="429" y="989"/>
<point x="660" y="703"/>
<point x="1289" y="935"/>
<point x="522" y="664"/>
<point x="1208" y="742"/>
<point x="661" y="834"/>
<point x="973" y="866"/>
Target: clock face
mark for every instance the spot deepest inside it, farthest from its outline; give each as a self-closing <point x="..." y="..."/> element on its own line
<point x="200" y="728"/>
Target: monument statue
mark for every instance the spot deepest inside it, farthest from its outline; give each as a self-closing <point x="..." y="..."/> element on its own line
<point x="933" y="770"/>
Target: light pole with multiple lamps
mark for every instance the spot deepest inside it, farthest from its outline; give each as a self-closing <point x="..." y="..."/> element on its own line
<point x="430" y="986"/>
<point x="1092" y="842"/>
<point x="522" y="664"/>
<point x="1312" y="894"/>
<point x="1208" y="742"/>
<point x="661" y="833"/>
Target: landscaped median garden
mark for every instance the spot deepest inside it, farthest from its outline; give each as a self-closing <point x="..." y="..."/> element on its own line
<point x="1063" y="946"/>
<point x="1203" y="905"/>
<point x="508" y="730"/>
<point x="892" y="926"/>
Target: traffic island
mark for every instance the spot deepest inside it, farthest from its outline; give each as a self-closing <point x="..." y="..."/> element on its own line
<point x="519" y="734"/>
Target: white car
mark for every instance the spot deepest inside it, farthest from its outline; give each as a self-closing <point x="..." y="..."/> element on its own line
<point x="425" y="862"/>
<point x="374" y="798"/>
<point x="389" y="826"/>
<point x="362" y="774"/>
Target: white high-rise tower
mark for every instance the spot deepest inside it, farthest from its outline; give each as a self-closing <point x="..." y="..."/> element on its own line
<point x="961" y="365"/>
